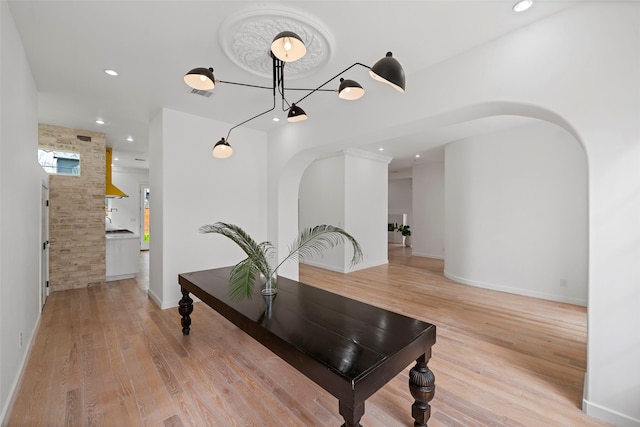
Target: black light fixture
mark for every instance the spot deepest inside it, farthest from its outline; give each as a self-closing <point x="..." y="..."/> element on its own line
<point x="388" y="70"/>
<point x="286" y="47"/>
<point x="200" y="79"/>
<point x="222" y="149"/>
<point x="350" y="90"/>
<point x="296" y="114"/>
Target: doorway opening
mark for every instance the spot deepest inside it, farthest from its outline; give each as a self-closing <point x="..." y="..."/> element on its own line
<point x="144" y="214"/>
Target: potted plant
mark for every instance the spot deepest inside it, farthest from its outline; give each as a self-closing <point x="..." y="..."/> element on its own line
<point x="262" y="256"/>
<point x="406" y="233"/>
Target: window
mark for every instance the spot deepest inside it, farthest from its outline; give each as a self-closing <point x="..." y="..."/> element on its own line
<point x="59" y="162"/>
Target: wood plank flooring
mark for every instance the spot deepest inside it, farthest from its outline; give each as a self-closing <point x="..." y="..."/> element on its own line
<point x="107" y="356"/>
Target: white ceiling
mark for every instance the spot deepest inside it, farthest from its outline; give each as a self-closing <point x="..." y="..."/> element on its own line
<point x="152" y="44"/>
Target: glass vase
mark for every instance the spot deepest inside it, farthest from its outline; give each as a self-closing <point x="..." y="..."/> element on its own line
<point x="269" y="287"/>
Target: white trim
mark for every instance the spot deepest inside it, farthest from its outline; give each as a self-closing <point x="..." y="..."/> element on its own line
<point x="360" y="266"/>
<point x="517" y="291"/>
<point x="608" y="415"/>
<point x="165" y="305"/>
<point x="18" y="378"/>
<point x="440" y="256"/>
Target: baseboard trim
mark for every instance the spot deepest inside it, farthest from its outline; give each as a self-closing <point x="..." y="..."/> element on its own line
<point x="517" y="291"/>
<point x="341" y="270"/>
<point x="609" y="415"/>
<point x="11" y="395"/>
<point x="414" y="253"/>
<point x="165" y="305"/>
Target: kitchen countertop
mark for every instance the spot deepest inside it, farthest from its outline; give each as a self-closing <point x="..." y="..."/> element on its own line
<point x="120" y="234"/>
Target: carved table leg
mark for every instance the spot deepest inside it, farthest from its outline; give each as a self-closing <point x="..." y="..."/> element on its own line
<point x="422" y="387"/>
<point x="351" y="415"/>
<point x="185" y="309"/>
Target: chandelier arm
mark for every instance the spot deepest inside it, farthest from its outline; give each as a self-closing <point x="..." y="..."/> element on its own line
<point x="254" y="117"/>
<point x="243" y="84"/>
<point x="328" y="81"/>
<point x="306" y="89"/>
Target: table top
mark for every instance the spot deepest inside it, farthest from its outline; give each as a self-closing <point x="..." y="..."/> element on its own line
<point x="320" y="332"/>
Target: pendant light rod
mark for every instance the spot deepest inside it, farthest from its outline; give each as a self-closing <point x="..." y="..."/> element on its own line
<point x="278" y="65"/>
<point x="269" y="87"/>
<point x="319" y="88"/>
<point x="254" y="117"/>
<point x="243" y="84"/>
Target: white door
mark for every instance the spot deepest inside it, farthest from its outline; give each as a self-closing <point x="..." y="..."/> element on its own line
<point x="44" y="233"/>
<point x="144" y="215"/>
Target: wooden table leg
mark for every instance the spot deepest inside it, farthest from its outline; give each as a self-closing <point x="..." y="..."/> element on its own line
<point x="351" y="415"/>
<point x="185" y="308"/>
<point x="422" y="387"/>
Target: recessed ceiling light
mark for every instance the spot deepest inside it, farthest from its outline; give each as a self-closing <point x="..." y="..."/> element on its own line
<point x="417" y="156"/>
<point x="115" y="158"/>
<point x="276" y="119"/>
<point x="111" y="72"/>
<point x="380" y="149"/>
<point x="100" y="121"/>
<point x="130" y="138"/>
<point x="522" y="5"/>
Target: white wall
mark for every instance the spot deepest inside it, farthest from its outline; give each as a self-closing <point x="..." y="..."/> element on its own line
<point x="198" y="189"/>
<point x="126" y="213"/>
<point x="428" y="228"/>
<point x="20" y="183"/>
<point x="322" y="201"/>
<point x="366" y="204"/>
<point x="577" y="68"/>
<point x="516" y="213"/>
<point x="348" y="190"/>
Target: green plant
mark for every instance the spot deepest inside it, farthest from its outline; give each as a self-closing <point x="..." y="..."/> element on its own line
<point x="261" y="256"/>
<point x="404" y="229"/>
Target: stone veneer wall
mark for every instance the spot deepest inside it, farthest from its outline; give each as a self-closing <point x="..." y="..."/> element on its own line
<point x="76" y="210"/>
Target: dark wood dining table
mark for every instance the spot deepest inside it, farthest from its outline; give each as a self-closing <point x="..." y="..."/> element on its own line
<point x="349" y="348"/>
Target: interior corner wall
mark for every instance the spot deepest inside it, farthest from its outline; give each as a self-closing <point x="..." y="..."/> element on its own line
<point x="366" y="207"/>
<point x="427" y="229"/>
<point x="516" y="213"/>
<point x="156" y="221"/>
<point x="20" y="184"/>
<point x="191" y="188"/>
<point x="321" y="200"/>
<point x="348" y="190"/>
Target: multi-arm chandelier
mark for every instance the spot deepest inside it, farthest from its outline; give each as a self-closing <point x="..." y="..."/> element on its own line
<point x="289" y="47"/>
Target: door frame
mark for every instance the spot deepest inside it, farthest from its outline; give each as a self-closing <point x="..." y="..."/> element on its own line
<point x="44" y="242"/>
<point x="144" y="188"/>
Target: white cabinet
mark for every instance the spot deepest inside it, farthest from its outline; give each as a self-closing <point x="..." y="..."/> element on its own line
<point x="122" y="257"/>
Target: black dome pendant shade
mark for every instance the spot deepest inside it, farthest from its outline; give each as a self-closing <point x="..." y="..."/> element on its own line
<point x="200" y="78"/>
<point x="296" y="114"/>
<point x="388" y="70"/>
<point x="350" y="90"/>
<point x="287" y="46"/>
<point x="222" y="149"/>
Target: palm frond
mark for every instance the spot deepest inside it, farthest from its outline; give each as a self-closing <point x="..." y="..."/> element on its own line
<point x="261" y="256"/>
<point x="241" y="280"/>
<point x="313" y="241"/>
<point x="256" y="252"/>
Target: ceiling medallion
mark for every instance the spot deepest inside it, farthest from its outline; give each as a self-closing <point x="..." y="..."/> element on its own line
<point x="246" y="36"/>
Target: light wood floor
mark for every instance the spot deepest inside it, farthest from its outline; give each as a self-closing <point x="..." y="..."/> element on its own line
<point x="108" y="356"/>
